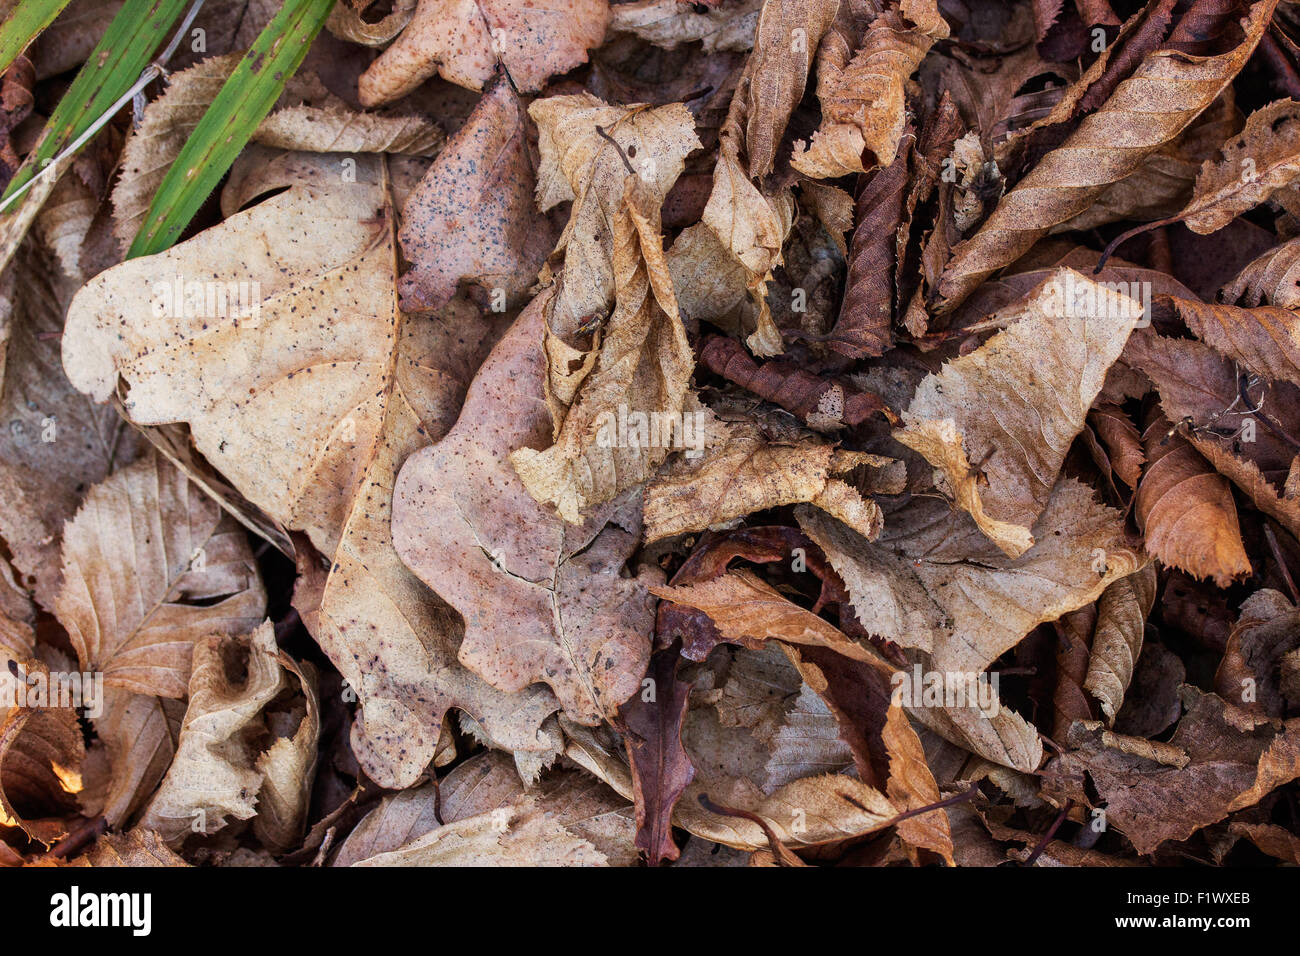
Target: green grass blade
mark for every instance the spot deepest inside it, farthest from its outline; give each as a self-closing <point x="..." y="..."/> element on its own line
<point x="242" y="104"/>
<point x="25" y="25"/>
<point x="114" y="65"/>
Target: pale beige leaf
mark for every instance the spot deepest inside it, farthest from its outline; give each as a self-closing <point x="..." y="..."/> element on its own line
<point x="151" y="565"/>
<point x="17" y="643"/>
<point x="752" y="225"/>
<point x="580" y="165"/>
<point x="863" y="106"/>
<point x="137" y="742"/>
<point x="472" y="218"/>
<point x="277" y="399"/>
<point x="321" y="124"/>
<point x="1162" y="185"/>
<point x="338" y="130"/>
<point x="669" y="23"/>
<point x="583" y="807"/>
<point x="709" y="281"/>
<point x="1248" y="168"/>
<point x="64" y="221"/>
<point x="833" y="208"/>
<point x="644" y="370"/>
<point x="933" y="583"/>
<point x="519" y="835"/>
<point x="760" y="688"/>
<point x="1014" y="405"/>
<point x="288" y="766"/>
<point x="1117" y="639"/>
<point x="805" y="812"/>
<point x="221" y="766"/>
<point x="134" y="848"/>
<point x="743" y="473"/>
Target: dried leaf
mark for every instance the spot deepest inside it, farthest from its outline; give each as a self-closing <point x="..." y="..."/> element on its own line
<point x="134" y="604"/>
<point x="56" y="443"/>
<point x="134" y="848"/>
<point x="220" y="770"/>
<point x="1122" y="612"/>
<point x="863" y="104"/>
<point x="652" y="729"/>
<point x="276" y="399"/>
<point x="472" y="216"/>
<point x="1247" y="170"/>
<point x="784" y="44"/>
<point x="1106" y="147"/>
<point x="1272" y="279"/>
<point x="1201" y="390"/>
<point x="643" y="370"/>
<point x="137" y="743"/>
<point x="745" y="472"/>
<point x="1122" y="441"/>
<point x="823" y="404"/>
<point x="1234" y="760"/>
<point x="580" y="165"/>
<point x="487" y="785"/>
<point x="41" y="752"/>
<point x="542" y="600"/>
<point x="1013" y="406"/>
<point x="669" y="23"/>
<point x="865" y="323"/>
<point x="1186" y="509"/>
<point x="1265" y="338"/>
<point x="806" y="744"/>
<point x="746" y="610"/>
<point x="833" y="807"/>
<point x="347" y="23"/>
<point x="912" y="786"/>
<point x="1251" y="672"/>
<point x="935" y="584"/>
<point x="324" y="126"/>
<point x="463" y="40"/>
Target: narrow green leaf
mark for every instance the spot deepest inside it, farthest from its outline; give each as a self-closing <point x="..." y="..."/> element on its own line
<point x="25" y="25"/>
<point x="113" y="66"/>
<point x="242" y="104"/>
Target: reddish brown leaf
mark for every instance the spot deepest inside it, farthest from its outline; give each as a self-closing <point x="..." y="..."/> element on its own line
<point x="822" y="403"/>
<point x="866" y="316"/>
<point x="1186" y="510"/>
<point x="661" y="768"/>
<point x="1120" y="436"/>
<point x="472" y="216"/>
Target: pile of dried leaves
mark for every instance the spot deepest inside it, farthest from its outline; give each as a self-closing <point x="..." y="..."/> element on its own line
<point x="797" y="432"/>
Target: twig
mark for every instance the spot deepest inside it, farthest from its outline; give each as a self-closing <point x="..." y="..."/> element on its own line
<point x="1281" y="563"/>
<point x="1051" y="832"/>
<point x="621" y="154"/>
<point x="85" y="832"/>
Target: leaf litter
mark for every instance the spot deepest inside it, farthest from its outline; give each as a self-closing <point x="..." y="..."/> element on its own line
<point x="785" y="432"/>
